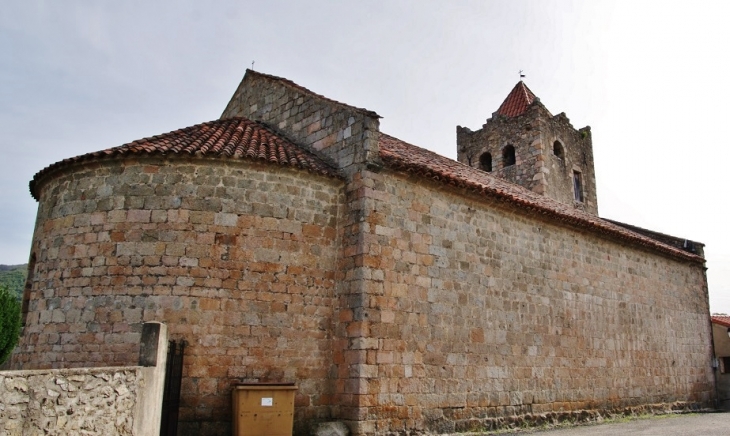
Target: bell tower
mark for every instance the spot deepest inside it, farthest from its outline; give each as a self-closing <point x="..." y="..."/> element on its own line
<point x="525" y="144"/>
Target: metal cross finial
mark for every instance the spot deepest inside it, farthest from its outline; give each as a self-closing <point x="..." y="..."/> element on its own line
<point x="522" y="76"/>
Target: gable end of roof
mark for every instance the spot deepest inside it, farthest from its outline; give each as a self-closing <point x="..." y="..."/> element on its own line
<point x="291" y="85"/>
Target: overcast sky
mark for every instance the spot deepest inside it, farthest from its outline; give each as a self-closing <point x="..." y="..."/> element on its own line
<point x="649" y="77"/>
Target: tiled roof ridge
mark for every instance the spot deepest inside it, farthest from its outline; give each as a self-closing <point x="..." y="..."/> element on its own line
<point x="406" y="157"/>
<point x="723" y="320"/>
<point x="290" y="84"/>
<point x="517" y="101"/>
<point x="236" y="137"/>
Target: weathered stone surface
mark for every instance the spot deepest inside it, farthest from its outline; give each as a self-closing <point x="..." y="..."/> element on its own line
<point x="251" y="293"/>
<point x="492" y="313"/>
<point x="396" y="304"/>
<point x="69" y="401"/>
<point x="342" y="134"/>
<point x="334" y="428"/>
<point x="539" y="166"/>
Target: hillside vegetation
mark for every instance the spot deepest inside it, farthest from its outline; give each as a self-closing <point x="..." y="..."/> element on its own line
<point x="9" y="323"/>
<point x="13" y="278"/>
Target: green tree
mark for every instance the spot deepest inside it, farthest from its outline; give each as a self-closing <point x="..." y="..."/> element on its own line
<point x="13" y="277"/>
<point x="9" y="323"/>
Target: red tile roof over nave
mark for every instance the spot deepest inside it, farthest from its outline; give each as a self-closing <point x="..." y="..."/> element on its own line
<point x="517" y="101"/>
<point x="406" y="157"/>
<point x="234" y="138"/>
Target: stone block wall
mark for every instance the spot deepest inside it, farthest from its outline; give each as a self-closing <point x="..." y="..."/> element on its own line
<point x="392" y="302"/>
<point x="100" y="401"/>
<point x="341" y="134"/>
<point x="348" y="138"/>
<point x="523" y="133"/>
<point x="237" y="258"/>
<point x="577" y="147"/>
<point x="478" y="312"/>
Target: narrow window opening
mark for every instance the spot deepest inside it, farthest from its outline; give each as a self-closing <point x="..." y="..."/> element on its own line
<point x="558" y="149"/>
<point x="508" y="156"/>
<point x="485" y="162"/>
<point x="578" y="186"/>
<point x="26" y="290"/>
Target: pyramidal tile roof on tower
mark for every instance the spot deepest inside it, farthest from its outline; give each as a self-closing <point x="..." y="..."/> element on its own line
<point x="517" y="102"/>
<point x="235" y="138"/>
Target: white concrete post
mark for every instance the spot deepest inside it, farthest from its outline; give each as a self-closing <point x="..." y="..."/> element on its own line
<point x="153" y="359"/>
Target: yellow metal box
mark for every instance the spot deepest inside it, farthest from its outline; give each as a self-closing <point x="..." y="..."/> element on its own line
<point x="263" y="409"/>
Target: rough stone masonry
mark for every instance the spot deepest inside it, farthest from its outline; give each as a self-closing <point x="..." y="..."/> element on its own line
<point x="61" y="402"/>
<point x="292" y="241"/>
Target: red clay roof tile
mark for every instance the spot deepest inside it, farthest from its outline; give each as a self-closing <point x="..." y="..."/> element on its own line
<point x="235" y="138"/>
<point x="722" y="320"/>
<point x="517" y="102"/>
<point x="402" y="156"/>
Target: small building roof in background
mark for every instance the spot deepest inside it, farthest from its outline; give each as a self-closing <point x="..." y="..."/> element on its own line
<point x="723" y="320"/>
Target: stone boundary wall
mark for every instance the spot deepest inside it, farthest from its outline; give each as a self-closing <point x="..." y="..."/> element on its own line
<point x="574" y="417"/>
<point x="98" y="401"/>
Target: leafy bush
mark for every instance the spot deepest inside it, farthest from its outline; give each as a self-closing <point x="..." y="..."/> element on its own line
<point x="9" y="323"/>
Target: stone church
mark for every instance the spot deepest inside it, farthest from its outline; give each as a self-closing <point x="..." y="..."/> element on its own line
<point x="401" y="291"/>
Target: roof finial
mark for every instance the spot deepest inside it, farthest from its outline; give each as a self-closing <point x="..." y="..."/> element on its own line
<point x="253" y="62"/>
<point x="522" y="76"/>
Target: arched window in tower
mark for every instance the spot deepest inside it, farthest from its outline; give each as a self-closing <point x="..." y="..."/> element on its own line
<point x="508" y="155"/>
<point x="485" y="162"/>
<point x="558" y="150"/>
